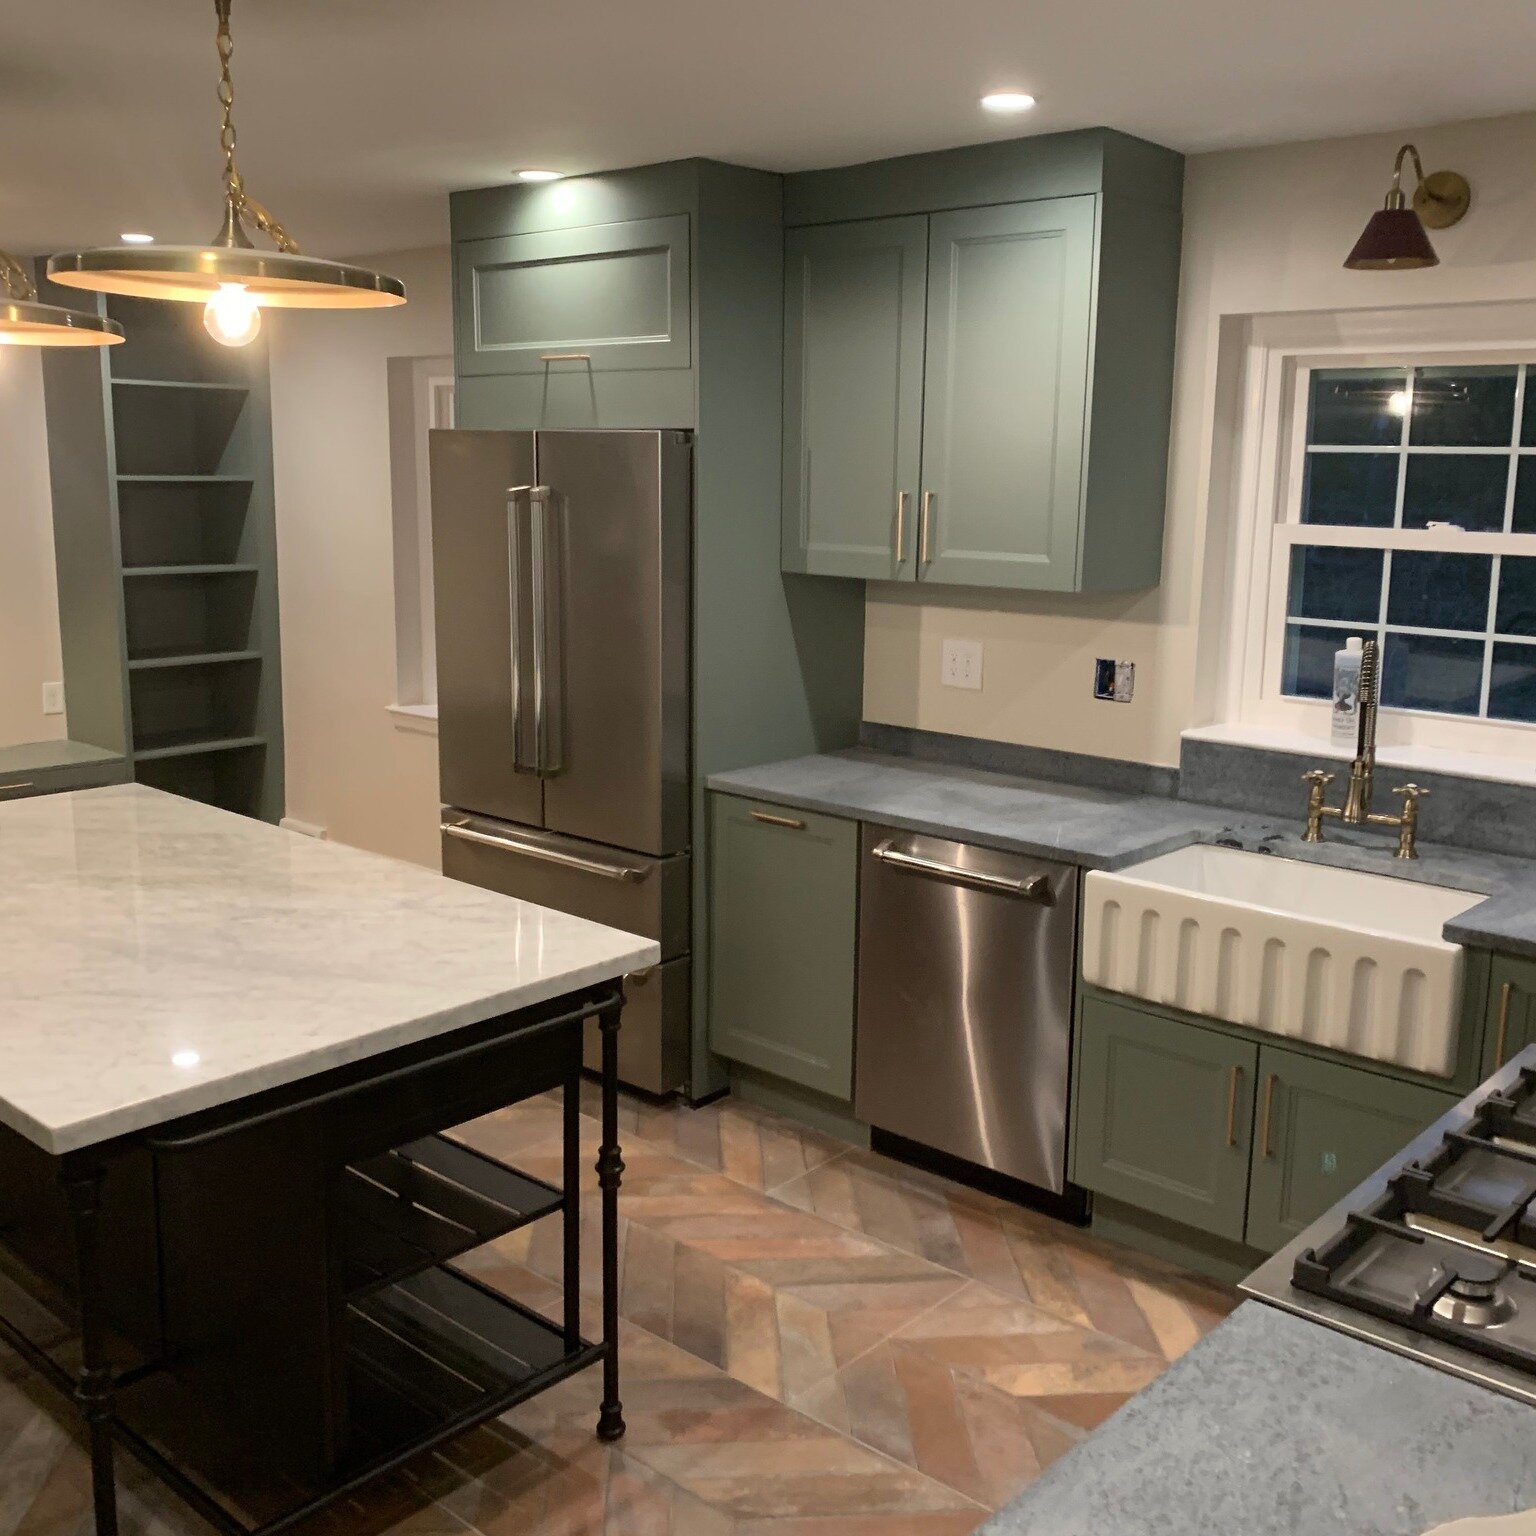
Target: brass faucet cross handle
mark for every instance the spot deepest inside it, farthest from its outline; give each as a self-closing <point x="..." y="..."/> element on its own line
<point x="1406" y="821"/>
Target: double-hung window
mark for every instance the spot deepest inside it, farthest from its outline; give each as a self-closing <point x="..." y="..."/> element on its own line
<point x="1407" y="514"/>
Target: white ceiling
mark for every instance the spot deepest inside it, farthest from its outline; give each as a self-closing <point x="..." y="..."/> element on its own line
<point x="356" y="116"/>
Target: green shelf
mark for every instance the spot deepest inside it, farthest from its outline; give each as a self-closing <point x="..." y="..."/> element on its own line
<point x="179" y="744"/>
<point x="238" y="568"/>
<point x="154" y="662"/>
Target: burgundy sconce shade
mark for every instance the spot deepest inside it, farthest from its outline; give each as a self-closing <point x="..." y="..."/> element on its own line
<point x="1395" y="238"/>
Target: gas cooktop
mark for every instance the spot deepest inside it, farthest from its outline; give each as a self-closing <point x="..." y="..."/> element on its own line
<point x="1434" y="1256"/>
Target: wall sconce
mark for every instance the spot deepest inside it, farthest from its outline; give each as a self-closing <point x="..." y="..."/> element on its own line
<point x="1394" y="238"/>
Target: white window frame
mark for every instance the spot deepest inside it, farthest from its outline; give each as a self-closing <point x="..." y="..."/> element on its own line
<point x="421" y="398"/>
<point x="1265" y="410"/>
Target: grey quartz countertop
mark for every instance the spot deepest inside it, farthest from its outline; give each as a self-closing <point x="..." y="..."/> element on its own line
<point x="1274" y="1426"/>
<point x="1105" y="829"/>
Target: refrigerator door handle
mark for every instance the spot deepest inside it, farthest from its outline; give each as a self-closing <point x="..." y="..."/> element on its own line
<point x="547" y="539"/>
<point x="468" y="833"/>
<point x="518" y="497"/>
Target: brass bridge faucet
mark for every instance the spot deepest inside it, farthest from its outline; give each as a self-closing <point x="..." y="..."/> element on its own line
<point x="1356" y="810"/>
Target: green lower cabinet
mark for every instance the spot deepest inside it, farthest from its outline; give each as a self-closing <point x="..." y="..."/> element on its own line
<point x="1511" y="1010"/>
<point x="783" y="921"/>
<point x="1164" y="1116"/>
<point x="1322" y="1128"/>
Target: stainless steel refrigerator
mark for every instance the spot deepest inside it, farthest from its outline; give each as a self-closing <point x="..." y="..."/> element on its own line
<point x="561" y="575"/>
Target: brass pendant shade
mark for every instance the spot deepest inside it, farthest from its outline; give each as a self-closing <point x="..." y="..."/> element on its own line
<point x="284" y="278"/>
<point x="26" y="322"/>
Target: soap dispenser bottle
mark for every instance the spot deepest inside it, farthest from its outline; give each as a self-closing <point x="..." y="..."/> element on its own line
<point x="1346" y="691"/>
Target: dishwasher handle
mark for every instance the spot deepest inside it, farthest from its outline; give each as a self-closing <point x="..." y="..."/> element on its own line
<point x="1033" y="888"/>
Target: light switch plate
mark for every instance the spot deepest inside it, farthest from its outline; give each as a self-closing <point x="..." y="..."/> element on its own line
<point x="53" y="698"/>
<point x="961" y="666"/>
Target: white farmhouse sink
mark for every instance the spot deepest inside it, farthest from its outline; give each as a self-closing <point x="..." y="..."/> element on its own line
<point x="1339" y="958"/>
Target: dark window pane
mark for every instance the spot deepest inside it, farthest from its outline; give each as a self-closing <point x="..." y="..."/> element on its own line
<point x="1429" y="672"/>
<point x="1512" y="682"/>
<point x="1517" y="595"/>
<point x="1528" y="422"/>
<point x="1348" y="406"/>
<point x="1431" y="591"/>
<point x="1525" y="493"/>
<point x="1354" y="490"/>
<point x="1307" y="671"/>
<point x="1464" y="489"/>
<point x="1335" y="584"/>
<point x="1463" y="407"/>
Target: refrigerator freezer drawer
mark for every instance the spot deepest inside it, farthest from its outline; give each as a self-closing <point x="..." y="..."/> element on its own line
<point x="631" y="891"/>
<point x="965" y="1001"/>
<point x="653" y="1036"/>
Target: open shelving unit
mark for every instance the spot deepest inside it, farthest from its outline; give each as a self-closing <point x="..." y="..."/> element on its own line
<point x="169" y="440"/>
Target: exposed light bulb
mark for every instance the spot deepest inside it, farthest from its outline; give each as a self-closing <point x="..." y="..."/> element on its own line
<point x="232" y="316"/>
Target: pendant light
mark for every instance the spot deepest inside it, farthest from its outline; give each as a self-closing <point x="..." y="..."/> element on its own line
<point x="1394" y="238"/>
<point x="230" y="276"/>
<point x="25" y="322"/>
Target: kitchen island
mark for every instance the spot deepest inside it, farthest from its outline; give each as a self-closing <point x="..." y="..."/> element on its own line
<point x="228" y="1211"/>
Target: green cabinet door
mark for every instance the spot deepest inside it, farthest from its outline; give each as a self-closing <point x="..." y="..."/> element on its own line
<point x="1010" y="302"/>
<point x="1322" y="1128"/>
<point x="591" y="299"/>
<point x="854" y="299"/>
<point x="1511" y="1010"/>
<point x="1163" y="1116"/>
<point x="783" y="918"/>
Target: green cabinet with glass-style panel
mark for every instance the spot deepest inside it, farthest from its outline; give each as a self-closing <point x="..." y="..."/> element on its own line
<point x="978" y="365"/>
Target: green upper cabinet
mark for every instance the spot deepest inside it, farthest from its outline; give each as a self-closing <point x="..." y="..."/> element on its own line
<point x="609" y="296"/>
<point x="1511" y="1008"/>
<point x="1010" y="298"/>
<point x="854" y="297"/>
<point x="1050" y="294"/>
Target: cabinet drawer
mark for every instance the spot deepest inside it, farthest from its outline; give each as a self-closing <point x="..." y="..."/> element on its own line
<point x="1164" y="1116"/>
<point x="1322" y="1128"/>
<point x="783" y="909"/>
<point x="601" y="298"/>
<point x="1511" y="1010"/>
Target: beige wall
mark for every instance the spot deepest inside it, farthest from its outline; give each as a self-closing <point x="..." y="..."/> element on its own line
<point x="351" y="767"/>
<point x="1265" y="231"/>
<point x="29" y="602"/>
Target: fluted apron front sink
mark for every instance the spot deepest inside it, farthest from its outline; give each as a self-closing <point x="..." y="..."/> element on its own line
<point x="1346" y="960"/>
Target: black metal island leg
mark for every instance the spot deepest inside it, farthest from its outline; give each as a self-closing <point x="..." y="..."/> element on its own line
<point x="94" y="1384"/>
<point x="610" y="1169"/>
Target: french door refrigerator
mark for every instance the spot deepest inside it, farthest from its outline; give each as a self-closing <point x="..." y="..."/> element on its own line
<point x="561" y="576"/>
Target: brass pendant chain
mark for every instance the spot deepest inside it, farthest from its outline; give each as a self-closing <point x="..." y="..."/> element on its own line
<point x="18" y="281"/>
<point x="240" y="202"/>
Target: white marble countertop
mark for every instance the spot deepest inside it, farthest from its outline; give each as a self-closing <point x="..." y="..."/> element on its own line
<point x="159" y="957"/>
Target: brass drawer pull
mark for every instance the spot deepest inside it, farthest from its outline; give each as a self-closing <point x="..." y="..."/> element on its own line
<point x="1232" y="1081"/>
<point x="777" y="821"/>
<point x="901" y="527"/>
<point x="1269" y="1107"/>
<point x="924" y="554"/>
<point x="565" y="357"/>
<point x="1506" y="995"/>
<point x="20" y="784"/>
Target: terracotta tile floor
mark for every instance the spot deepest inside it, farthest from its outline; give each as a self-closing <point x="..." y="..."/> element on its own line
<point x="817" y="1341"/>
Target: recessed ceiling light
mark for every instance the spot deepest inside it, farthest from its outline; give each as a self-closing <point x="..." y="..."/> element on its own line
<point x="136" y="239"/>
<point x="1007" y="101"/>
<point x="540" y="175"/>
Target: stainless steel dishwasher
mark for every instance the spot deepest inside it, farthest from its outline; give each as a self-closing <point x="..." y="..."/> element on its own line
<point x="965" y="1002"/>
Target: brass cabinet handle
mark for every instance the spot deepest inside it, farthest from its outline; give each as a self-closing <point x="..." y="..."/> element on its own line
<point x="1269" y="1105"/>
<point x="777" y="821"/>
<point x="925" y="519"/>
<point x="901" y="527"/>
<point x="1506" y="994"/>
<point x="1232" y="1080"/>
<point x="15" y="784"/>
<point x="565" y="357"/>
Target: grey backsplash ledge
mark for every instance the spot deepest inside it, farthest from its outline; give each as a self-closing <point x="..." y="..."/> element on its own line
<point x="1468" y="813"/>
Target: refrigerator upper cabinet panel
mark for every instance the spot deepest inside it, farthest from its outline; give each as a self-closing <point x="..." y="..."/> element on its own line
<point x="1010" y="309"/>
<point x="615" y="666"/>
<point x="601" y="298"/>
<point x="482" y="581"/>
<point x="853" y="396"/>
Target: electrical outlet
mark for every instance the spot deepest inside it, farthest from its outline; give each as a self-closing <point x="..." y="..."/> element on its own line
<point x="961" y="667"/>
<point x="53" y="698"/>
<point x="1114" y="680"/>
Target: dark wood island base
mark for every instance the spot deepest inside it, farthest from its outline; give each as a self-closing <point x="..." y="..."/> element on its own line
<point x="259" y="1301"/>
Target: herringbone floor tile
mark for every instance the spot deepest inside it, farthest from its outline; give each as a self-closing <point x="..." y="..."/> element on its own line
<point x="817" y="1342"/>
